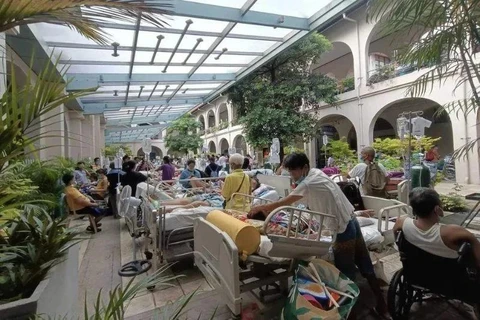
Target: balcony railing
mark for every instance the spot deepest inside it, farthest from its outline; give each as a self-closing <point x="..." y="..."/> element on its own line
<point x="387" y="72"/>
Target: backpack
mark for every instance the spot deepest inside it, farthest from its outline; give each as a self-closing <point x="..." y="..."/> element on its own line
<point x="351" y="191"/>
<point x="374" y="182"/>
<point x="202" y="173"/>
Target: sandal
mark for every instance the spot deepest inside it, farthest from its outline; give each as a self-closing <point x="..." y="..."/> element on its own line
<point x="99" y="224"/>
<point x="90" y="229"/>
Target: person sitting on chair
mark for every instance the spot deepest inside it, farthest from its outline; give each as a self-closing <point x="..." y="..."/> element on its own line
<point x="79" y="203"/>
<point x="100" y="192"/>
<point x="426" y="232"/>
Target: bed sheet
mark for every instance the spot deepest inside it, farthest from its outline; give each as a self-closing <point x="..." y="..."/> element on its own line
<point x="182" y="218"/>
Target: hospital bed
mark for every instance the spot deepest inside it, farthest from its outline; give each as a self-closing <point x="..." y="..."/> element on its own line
<point x="176" y="228"/>
<point x="217" y="256"/>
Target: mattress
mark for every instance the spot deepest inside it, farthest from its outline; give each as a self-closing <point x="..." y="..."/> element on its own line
<point x="182" y="218"/>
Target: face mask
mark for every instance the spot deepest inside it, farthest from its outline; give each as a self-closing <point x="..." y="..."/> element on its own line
<point x="300" y="180"/>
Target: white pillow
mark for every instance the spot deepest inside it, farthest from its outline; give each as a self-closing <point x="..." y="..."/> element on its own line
<point x="261" y="190"/>
<point x="269" y="195"/>
<point x="363" y="222"/>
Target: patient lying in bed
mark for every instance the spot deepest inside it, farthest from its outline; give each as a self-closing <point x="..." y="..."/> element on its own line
<point x="202" y="200"/>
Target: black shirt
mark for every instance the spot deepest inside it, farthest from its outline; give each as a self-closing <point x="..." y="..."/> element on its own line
<point x="212" y="167"/>
<point x="132" y="179"/>
<point x="114" y="177"/>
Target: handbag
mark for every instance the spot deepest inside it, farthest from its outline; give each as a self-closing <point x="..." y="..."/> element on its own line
<point x="239" y="187"/>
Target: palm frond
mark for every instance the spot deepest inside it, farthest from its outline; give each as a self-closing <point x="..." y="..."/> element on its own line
<point x="84" y="16"/>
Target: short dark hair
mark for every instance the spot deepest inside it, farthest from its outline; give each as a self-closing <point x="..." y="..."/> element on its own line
<point x="129" y="166"/>
<point x="112" y="165"/>
<point x="246" y="163"/>
<point x="423" y="201"/>
<point x="102" y="171"/>
<point x="97" y="158"/>
<point x="80" y="162"/>
<point x="296" y="160"/>
<point x="67" y="177"/>
<point x="190" y="161"/>
<point x="166" y="159"/>
<point x="257" y="181"/>
<point x="125" y="157"/>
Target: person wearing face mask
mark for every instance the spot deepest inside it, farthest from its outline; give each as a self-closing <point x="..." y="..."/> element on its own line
<point x="321" y="194"/>
<point x="360" y="170"/>
<point x="426" y="232"/>
<point x="188" y="174"/>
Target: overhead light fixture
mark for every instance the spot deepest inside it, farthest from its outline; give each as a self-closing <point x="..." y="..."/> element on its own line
<point x="185" y="91"/>
<point x="221" y="53"/>
<point x="141" y="89"/>
<point x="115" y="93"/>
<point x="159" y="40"/>
<point x="115" y="49"/>
<point x="187" y="24"/>
<point x="193" y="49"/>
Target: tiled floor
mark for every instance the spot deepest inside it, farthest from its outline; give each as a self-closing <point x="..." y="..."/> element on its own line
<point x="105" y="252"/>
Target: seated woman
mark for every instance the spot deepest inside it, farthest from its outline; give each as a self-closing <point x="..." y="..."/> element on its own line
<point x="190" y="173"/>
<point x="236" y="182"/>
<point x="426" y="232"/>
<point x="79" y="203"/>
<point x="100" y="191"/>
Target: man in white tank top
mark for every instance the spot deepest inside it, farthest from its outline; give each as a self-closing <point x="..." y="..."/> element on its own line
<point x="426" y="232"/>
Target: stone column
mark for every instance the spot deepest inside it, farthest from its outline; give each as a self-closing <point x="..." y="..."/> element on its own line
<point x="52" y="125"/>
<point x="75" y="140"/>
<point x="88" y="137"/>
<point x="3" y="64"/>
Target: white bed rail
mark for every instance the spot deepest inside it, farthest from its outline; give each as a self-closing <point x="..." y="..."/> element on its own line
<point x="296" y="245"/>
<point x="216" y="255"/>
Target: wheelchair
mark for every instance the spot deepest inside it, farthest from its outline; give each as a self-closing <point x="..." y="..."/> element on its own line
<point x="424" y="275"/>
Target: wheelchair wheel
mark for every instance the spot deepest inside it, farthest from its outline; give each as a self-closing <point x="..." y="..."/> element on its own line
<point x="399" y="297"/>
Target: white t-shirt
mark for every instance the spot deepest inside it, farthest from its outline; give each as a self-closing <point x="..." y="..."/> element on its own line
<point x="323" y="195"/>
<point x="222" y="161"/>
<point x="359" y="172"/>
<point x="418" y="126"/>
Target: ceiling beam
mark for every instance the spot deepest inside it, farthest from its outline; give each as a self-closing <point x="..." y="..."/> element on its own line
<point x="151" y="119"/>
<point x="98" y="108"/>
<point x="81" y="81"/>
<point x="146" y="63"/>
<point x="70" y="45"/>
<point x="229" y="14"/>
<point x="146" y="100"/>
<point x="189" y="32"/>
<point x="123" y="128"/>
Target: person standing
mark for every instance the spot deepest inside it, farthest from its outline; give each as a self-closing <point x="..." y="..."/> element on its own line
<point x="321" y="194"/>
<point x="131" y="177"/>
<point x="431" y="161"/>
<point x="167" y="170"/>
<point x="113" y="177"/>
<point x="212" y="168"/>
<point x="373" y="176"/>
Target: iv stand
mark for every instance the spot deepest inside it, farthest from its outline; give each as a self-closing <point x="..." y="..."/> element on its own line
<point x="408" y="115"/>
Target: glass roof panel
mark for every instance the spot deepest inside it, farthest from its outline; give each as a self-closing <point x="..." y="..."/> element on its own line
<point x="197" y="25"/>
<point x="297" y="8"/>
<point x="93" y="55"/>
<point x="237" y="4"/>
<point x="250" y="29"/>
<point x="245" y="45"/>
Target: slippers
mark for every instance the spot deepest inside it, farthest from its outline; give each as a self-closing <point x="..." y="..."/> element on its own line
<point x="90" y="229"/>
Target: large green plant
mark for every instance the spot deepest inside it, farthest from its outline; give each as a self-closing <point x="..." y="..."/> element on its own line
<point x="450" y="37"/>
<point x="31" y="245"/>
<point x="342" y="154"/>
<point x="182" y="135"/>
<point x="270" y="102"/>
<point x="112" y="150"/>
<point x="395" y="147"/>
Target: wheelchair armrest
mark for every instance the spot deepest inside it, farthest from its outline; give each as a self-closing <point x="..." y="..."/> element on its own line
<point x="464" y="252"/>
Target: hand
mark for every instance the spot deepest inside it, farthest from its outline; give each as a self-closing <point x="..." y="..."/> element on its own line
<point x="255" y="210"/>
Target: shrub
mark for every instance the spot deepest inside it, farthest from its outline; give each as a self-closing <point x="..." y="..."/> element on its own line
<point x="453" y="202"/>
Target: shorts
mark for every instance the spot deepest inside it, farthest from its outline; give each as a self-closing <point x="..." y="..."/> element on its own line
<point x="96" y="212"/>
<point x="350" y="252"/>
<point x="214" y="200"/>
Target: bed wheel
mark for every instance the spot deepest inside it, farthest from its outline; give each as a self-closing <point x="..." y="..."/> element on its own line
<point x="399" y="297"/>
<point x="236" y="317"/>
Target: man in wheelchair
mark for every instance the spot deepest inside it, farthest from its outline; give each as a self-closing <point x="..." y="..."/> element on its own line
<point x="443" y="260"/>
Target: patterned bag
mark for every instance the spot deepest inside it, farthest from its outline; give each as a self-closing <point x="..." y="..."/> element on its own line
<point x="299" y="306"/>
